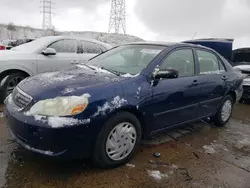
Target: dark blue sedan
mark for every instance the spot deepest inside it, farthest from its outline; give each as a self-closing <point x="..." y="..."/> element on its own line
<point x="104" y="107"/>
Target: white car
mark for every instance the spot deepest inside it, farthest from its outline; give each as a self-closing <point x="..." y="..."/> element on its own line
<point x="47" y="54"/>
<point x="245" y="69"/>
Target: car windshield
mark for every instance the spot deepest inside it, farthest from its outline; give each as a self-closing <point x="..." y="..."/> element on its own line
<point x="33" y="46"/>
<point x="127" y="59"/>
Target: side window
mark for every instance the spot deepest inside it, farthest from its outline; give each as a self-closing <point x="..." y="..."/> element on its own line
<point x="64" y="46"/>
<point x="181" y="60"/>
<point x="209" y="63"/>
<point x="89" y="47"/>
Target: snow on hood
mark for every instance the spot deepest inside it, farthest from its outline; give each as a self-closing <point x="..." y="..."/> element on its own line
<point x="66" y="82"/>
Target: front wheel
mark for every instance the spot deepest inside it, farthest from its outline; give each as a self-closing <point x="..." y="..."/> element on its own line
<point x="118" y="140"/>
<point x="225" y="112"/>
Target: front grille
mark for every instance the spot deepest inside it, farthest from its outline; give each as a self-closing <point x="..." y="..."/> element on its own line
<point x="21" y="99"/>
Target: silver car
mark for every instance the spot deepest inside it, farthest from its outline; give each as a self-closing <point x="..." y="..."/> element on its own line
<point x="45" y="54"/>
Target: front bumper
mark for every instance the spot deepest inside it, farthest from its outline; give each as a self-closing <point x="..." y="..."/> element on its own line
<point x="68" y="142"/>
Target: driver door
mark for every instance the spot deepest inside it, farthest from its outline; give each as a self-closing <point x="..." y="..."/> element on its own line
<point x="175" y="100"/>
<point x="66" y="57"/>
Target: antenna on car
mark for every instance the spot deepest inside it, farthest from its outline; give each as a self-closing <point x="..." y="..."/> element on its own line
<point x="194" y="35"/>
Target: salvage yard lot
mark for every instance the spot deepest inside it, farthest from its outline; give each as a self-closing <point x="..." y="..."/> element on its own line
<point x="198" y="156"/>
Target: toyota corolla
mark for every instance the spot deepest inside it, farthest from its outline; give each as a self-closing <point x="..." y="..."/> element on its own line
<point x="104" y="107"/>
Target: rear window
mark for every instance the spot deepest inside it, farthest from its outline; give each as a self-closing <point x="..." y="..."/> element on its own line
<point x="209" y="63"/>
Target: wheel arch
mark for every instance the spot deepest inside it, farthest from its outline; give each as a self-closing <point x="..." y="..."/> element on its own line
<point x="133" y="110"/>
<point x="12" y="71"/>
<point x="233" y="95"/>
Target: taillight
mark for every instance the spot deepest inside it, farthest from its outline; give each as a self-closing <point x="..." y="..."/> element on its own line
<point x="2" y="47"/>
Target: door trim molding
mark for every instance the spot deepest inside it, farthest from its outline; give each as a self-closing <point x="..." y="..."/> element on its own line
<point x="176" y="109"/>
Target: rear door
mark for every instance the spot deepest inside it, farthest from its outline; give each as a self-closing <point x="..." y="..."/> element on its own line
<point x="87" y="50"/>
<point x="65" y="58"/>
<point x="212" y="81"/>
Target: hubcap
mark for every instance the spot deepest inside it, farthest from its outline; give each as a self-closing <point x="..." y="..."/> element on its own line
<point x="121" y="141"/>
<point x="226" y="110"/>
<point x="13" y="83"/>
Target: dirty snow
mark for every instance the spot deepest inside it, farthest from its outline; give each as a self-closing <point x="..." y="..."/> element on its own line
<point x="117" y="102"/>
<point x="59" y="106"/>
<point x="130" y="165"/>
<point x="208" y="149"/>
<point x="1" y="115"/>
<point x="174" y="166"/>
<point x="244" y="143"/>
<point x="157" y="175"/>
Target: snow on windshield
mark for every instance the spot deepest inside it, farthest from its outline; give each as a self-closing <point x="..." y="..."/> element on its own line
<point x="128" y="60"/>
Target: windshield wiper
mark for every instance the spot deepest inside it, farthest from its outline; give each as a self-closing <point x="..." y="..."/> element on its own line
<point x="117" y="73"/>
<point x="84" y="64"/>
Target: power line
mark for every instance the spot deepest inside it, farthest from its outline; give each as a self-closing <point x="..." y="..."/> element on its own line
<point x="117" y="21"/>
<point x="47" y="14"/>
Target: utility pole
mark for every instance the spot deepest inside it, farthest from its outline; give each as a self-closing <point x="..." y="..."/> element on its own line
<point x="117" y="21"/>
<point x="47" y="14"/>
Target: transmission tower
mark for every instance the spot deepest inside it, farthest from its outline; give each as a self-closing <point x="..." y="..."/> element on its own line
<point x="47" y="14"/>
<point x="117" y="21"/>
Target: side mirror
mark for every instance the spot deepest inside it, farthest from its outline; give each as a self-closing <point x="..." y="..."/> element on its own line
<point x="167" y="73"/>
<point x="49" y="51"/>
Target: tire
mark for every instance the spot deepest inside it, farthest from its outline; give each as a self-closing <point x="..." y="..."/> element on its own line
<point x="101" y="156"/>
<point x="219" y="120"/>
<point x="11" y="80"/>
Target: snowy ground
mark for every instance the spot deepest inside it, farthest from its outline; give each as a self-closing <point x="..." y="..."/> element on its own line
<point x="198" y="156"/>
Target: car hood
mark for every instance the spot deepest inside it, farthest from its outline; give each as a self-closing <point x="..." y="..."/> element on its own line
<point x="65" y="83"/>
<point x="243" y="67"/>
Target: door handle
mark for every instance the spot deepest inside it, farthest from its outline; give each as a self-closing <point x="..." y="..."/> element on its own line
<point x="224" y="77"/>
<point x="195" y="83"/>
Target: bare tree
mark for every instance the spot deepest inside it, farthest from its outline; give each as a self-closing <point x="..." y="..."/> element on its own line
<point x="11" y="28"/>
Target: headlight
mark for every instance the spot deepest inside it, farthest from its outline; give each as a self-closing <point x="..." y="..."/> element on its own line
<point x="60" y="106"/>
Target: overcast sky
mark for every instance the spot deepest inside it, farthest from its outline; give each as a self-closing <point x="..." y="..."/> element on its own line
<point x="167" y="20"/>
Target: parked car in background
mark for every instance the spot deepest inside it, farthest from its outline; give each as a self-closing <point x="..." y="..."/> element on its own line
<point x="45" y="54"/>
<point x="103" y="108"/>
<point x="245" y="70"/>
<point x="2" y="47"/>
<point x="8" y="44"/>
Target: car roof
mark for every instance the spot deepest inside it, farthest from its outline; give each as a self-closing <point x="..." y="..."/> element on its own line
<point x="168" y="44"/>
<point x="77" y="38"/>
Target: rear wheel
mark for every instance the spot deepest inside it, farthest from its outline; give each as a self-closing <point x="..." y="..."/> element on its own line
<point x="225" y="111"/>
<point x="10" y="82"/>
<point x="118" y="140"/>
